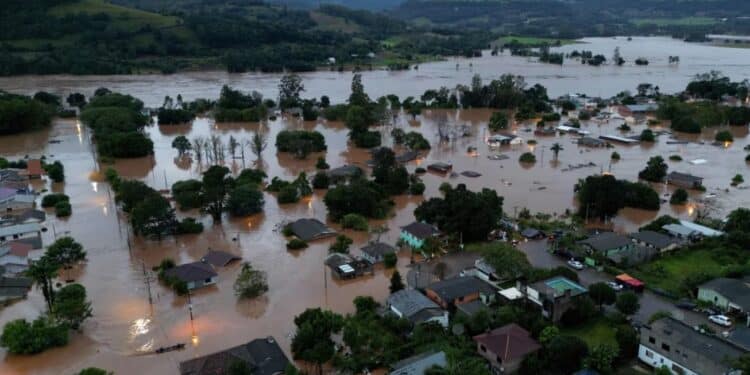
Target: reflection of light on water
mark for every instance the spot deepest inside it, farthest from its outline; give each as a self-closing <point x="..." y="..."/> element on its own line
<point x="78" y="130"/>
<point x="140" y="327"/>
<point x="532" y="148"/>
<point x="95" y="186"/>
<point x="419" y="161"/>
<point x="310" y="203"/>
<point x="691" y="209"/>
<point x="104" y="210"/>
<point x="195" y="340"/>
<point x="727" y="144"/>
<point x="249" y="223"/>
<point x="147" y="347"/>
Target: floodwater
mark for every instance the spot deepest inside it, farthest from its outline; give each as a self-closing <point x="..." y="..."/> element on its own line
<point x="125" y="326"/>
<point x="572" y="77"/>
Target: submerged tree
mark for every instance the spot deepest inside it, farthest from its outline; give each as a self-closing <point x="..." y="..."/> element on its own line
<point x="250" y="282"/>
<point x="258" y="144"/>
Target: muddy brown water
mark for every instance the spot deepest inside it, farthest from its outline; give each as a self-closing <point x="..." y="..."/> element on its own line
<point x="572" y="77"/>
<point x="125" y="327"/>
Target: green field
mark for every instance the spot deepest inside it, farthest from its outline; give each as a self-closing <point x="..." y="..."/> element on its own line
<point x="596" y="332"/>
<point x="533" y="41"/>
<point x="128" y="18"/>
<point x="687" y="21"/>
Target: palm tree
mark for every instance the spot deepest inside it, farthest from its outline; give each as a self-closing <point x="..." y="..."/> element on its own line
<point x="556" y="148"/>
<point x="258" y="144"/>
<point x="42" y="272"/>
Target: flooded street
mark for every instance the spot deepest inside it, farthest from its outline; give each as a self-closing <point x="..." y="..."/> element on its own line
<point x="572" y="77"/>
<point x="125" y="326"/>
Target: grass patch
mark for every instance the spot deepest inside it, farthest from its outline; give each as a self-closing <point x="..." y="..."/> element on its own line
<point x="331" y="23"/>
<point x="128" y="18"/>
<point x="686" y="21"/>
<point x="596" y="332"/>
<point x="533" y="41"/>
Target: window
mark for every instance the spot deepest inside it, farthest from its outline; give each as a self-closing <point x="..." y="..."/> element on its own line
<point x="208" y="280"/>
<point x="665" y="346"/>
<point x="651" y="339"/>
<point x="482" y="348"/>
<point x="649" y="354"/>
<point x="677" y="369"/>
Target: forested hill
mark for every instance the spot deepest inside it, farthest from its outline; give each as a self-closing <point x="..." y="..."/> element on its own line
<point x="577" y="18"/>
<point x="98" y="37"/>
<point x="158" y="5"/>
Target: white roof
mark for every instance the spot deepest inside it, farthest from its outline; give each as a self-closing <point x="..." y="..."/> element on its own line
<point x="511" y="293"/>
<point x="679" y="229"/>
<point x="25" y="198"/>
<point x="706" y="231"/>
<point x="345" y="268"/>
<point x="698" y="161"/>
<point x="11" y="230"/>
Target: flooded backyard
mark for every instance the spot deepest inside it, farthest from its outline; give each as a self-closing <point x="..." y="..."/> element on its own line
<point x="126" y="326"/>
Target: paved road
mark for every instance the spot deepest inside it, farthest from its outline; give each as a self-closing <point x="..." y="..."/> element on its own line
<point x="538" y="256"/>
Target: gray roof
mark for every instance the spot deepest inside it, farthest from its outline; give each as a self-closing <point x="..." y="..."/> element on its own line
<point x="345" y="171"/>
<point x="648" y="107"/>
<point x="471" y="308"/>
<point x="410" y="302"/>
<point x="707" y="348"/>
<point x="684" y="177"/>
<point x="18" y="229"/>
<point x="189" y="272"/>
<point x="263" y="356"/>
<point x="420" y="230"/>
<point x="737" y="291"/>
<point x="679" y="229"/>
<point x="652" y="238"/>
<point x="14" y="287"/>
<point x="407" y="157"/>
<point x="418" y="364"/>
<point x="219" y="258"/>
<point x="450" y="289"/>
<point x="378" y="249"/>
<point x="530" y="233"/>
<point x="310" y="229"/>
<point x="6" y="193"/>
<point x="592" y="142"/>
<point x="606" y="241"/>
<point x="35" y="242"/>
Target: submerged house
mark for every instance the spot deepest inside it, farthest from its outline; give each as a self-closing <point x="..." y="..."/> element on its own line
<point x="17" y="231"/>
<point x="218" y="258"/>
<point x="375" y="252"/>
<point x="310" y="229"/>
<point x="591" y="142"/>
<point x="195" y="275"/>
<point x="685" y="180"/>
<point x="262" y="357"/>
<point x="416" y="233"/>
<point x="416" y="308"/>
<point x="344" y="266"/>
<point x="344" y="173"/>
<point x="440" y="167"/>
<point x="504" y="140"/>
<point x="13" y="288"/>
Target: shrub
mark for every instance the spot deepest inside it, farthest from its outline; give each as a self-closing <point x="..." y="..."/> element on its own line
<point x="675" y="158"/>
<point x="321" y="163"/>
<point x="288" y="194"/>
<point x="680" y="196"/>
<point x="354" y="221"/>
<point x="189" y="226"/>
<point x="50" y="200"/>
<point x="321" y="180"/>
<point x="550" y="117"/>
<point x="390" y="260"/>
<point x="420" y="170"/>
<point x="417" y="188"/>
<point x="55" y="171"/>
<point x="296" y="244"/>
<point x="366" y="139"/>
<point x="498" y="121"/>
<point x="647" y="136"/>
<point x="724" y="136"/>
<point x="615" y="156"/>
<point x="21" y="337"/>
<point x="63" y="209"/>
<point x="527" y="157"/>
<point x="532" y="142"/>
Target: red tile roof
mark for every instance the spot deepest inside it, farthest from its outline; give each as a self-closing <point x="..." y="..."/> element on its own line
<point x="508" y="342"/>
<point x="34" y="167"/>
<point x="20" y="249"/>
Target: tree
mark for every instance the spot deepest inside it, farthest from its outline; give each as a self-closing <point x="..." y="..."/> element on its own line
<point x="312" y="341"/>
<point x="21" y="337"/>
<point x="182" y="144"/>
<point x="724" y="137"/>
<point x="655" y="171"/>
<point x="600" y="358"/>
<point x="509" y="263"/>
<point x="627" y="303"/>
<point x="154" y="216"/>
<point x="71" y="307"/>
<point x="55" y="171"/>
<point x="187" y="194"/>
<point x="359" y="197"/>
<point x="358" y="96"/>
<point x="498" y="121"/>
<point x="602" y="294"/>
<point x="258" y="144"/>
<point x="556" y="148"/>
<point x="567" y="353"/>
<point x="680" y="196"/>
<point x="95" y="371"/>
<point x="365" y="305"/>
<point x="548" y="334"/>
<point x="341" y="245"/>
<point x="647" y="136"/>
<point x="290" y="89"/>
<point x="65" y="251"/>
<point x="42" y="272"/>
<point x="76" y="99"/>
<point x="245" y="200"/>
<point x="627" y="340"/>
<point x="527" y="157"/>
<point x="250" y="282"/>
<point x="216" y="186"/>
<point x="396" y="282"/>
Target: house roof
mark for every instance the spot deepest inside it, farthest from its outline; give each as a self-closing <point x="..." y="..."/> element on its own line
<point x="471" y="308"/>
<point x="190" y="272"/>
<point x="263" y="356"/>
<point x="737" y="291"/>
<point x="218" y="258"/>
<point x="410" y="302"/>
<point x="679" y="229"/>
<point x="557" y="286"/>
<point x="407" y="157"/>
<point x="14" y="287"/>
<point x="420" y="230"/>
<point x="684" y="177"/>
<point x="450" y="289"/>
<point x="7" y="193"/>
<point x="345" y="171"/>
<point x="34" y="167"/>
<point x="702" y="229"/>
<point x="334" y="260"/>
<point x="35" y="242"/>
<point x="418" y="364"/>
<point x="378" y="249"/>
<point x="509" y="342"/>
<point x="706" y="348"/>
<point x="531" y="233"/>
<point x="440" y="167"/>
<point x="11" y="230"/>
<point x="652" y="238"/>
<point x="606" y="241"/>
<point x="20" y="249"/>
<point x="648" y="107"/>
<point x="310" y="229"/>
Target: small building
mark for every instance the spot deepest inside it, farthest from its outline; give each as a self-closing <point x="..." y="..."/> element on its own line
<point x="607" y="243"/>
<point x="218" y="258"/>
<point x="701" y="229"/>
<point x="407" y="157"/>
<point x="13" y="201"/>
<point x="630" y="282"/>
<point x="532" y="234"/>
<point x="654" y="240"/>
<point x="685" y="180"/>
<point x="555" y="296"/>
<point x="731" y="295"/>
<point x="416" y="233"/>
<point x="34" y="169"/>
<point x="17" y="231"/>
<point x="440" y="167"/>
<point x="638" y="110"/>
<point x="506" y="347"/>
<point x="195" y="275"/>
<point x="375" y="252"/>
<point x="344" y="267"/>
<point x="310" y="229"/>
<point x="681" y="232"/>
<point x="14" y="179"/>
<point x="416" y="308"/>
<point x="618" y="139"/>
<point x="591" y="142"/>
<point x="419" y="364"/>
<point x="14" y="257"/>
<point x="685" y="350"/>
<point x="25" y="217"/>
<point x="262" y="357"/>
<point x="344" y="173"/>
<point x="14" y="288"/>
<point x="482" y="270"/>
<point x="455" y="291"/>
<point x="504" y="140"/>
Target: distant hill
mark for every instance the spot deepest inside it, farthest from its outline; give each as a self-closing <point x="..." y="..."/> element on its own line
<point x="158" y="5"/>
<point x="98" y="37"/>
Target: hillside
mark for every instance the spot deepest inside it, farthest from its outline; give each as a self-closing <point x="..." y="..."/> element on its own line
<point x="577" y="18"/>
<point x="97" y="37"/>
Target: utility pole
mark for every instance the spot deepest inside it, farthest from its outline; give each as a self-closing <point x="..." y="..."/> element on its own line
<point x="147" y="277"/>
